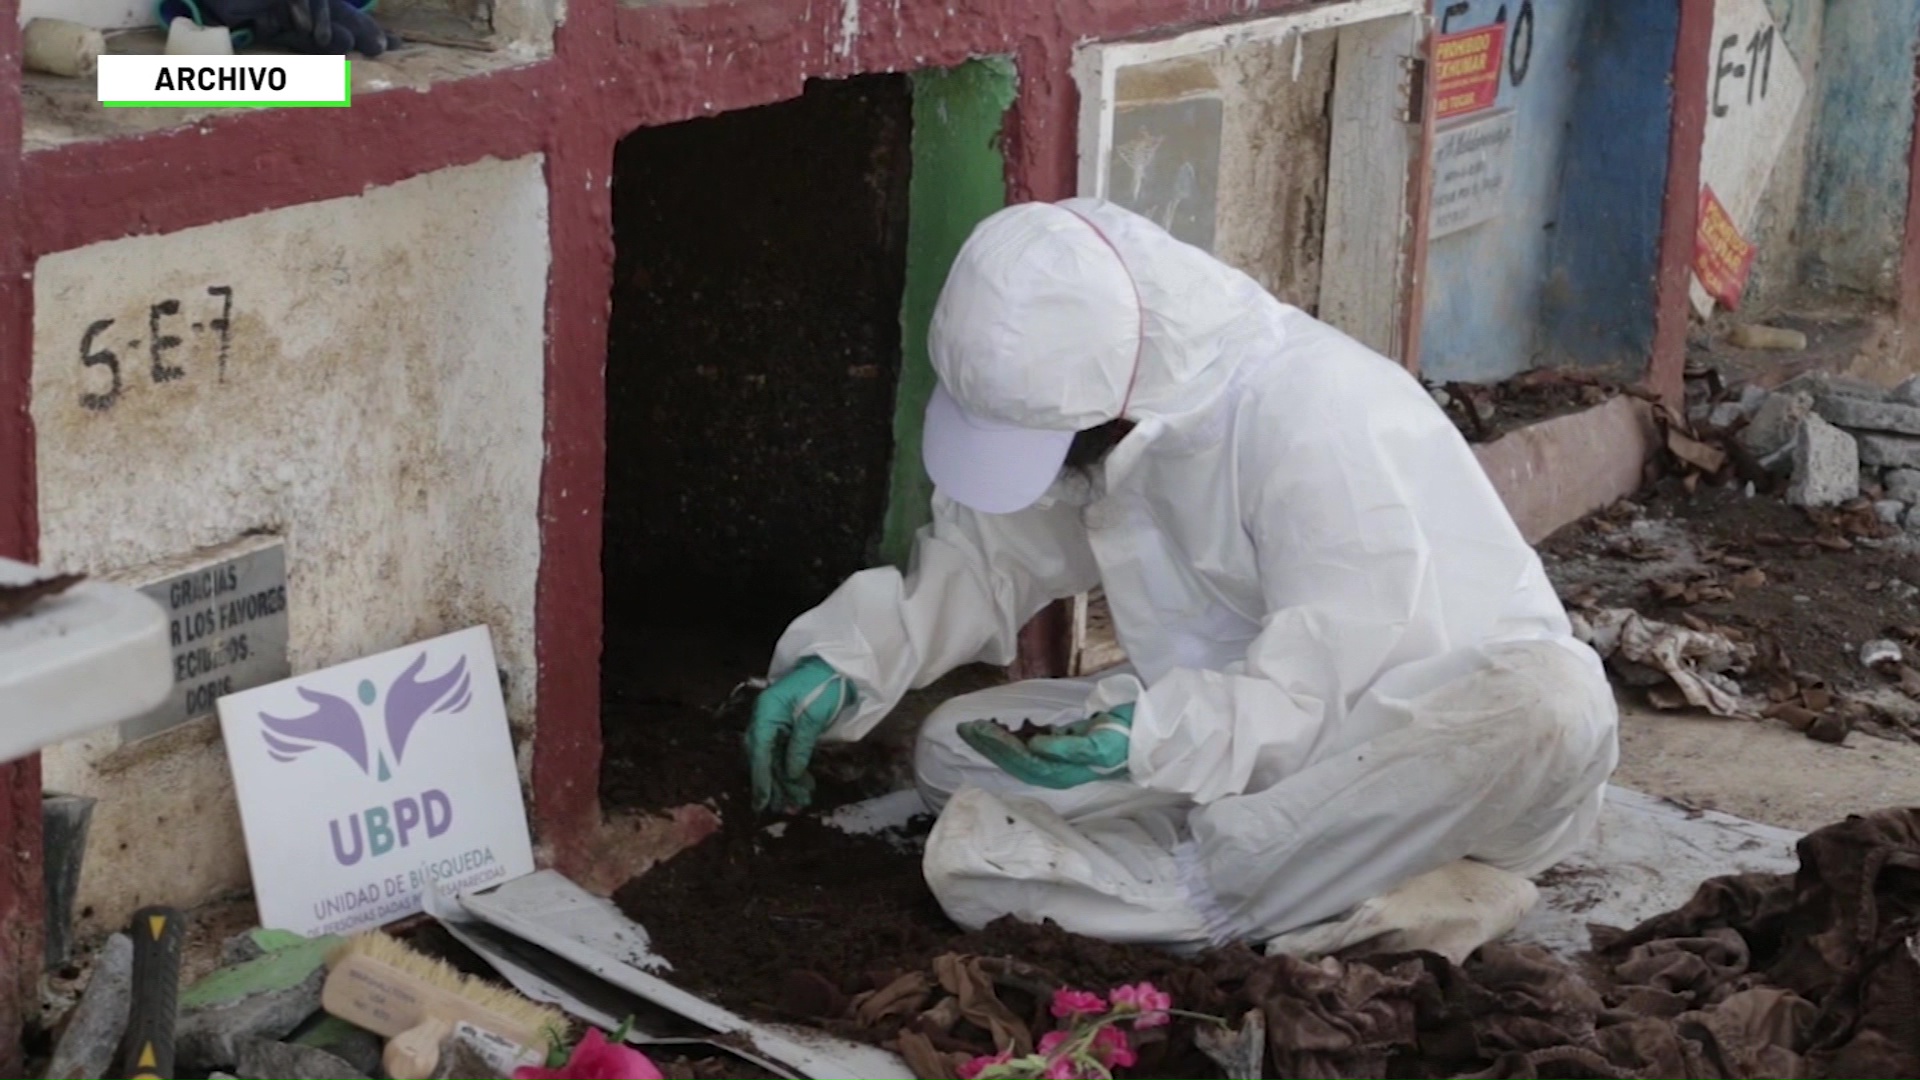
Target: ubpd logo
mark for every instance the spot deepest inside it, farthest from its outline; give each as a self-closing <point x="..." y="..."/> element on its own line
<point x="378" y="748"/>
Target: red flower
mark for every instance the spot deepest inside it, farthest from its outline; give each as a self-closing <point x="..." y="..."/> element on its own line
<point x="1148" y="1003"/>
<point x="1111" y="1047"/>
<point x="981" y="1064"/>
<point x="596" y="1059"/>
<point x="1072" y="1003"/>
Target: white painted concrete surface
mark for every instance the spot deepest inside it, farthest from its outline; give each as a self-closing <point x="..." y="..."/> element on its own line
<point x="1648" y="857"/>
<point x="379" y="405"/>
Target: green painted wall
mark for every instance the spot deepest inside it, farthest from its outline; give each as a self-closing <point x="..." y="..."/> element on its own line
<point x="959" y="177"/>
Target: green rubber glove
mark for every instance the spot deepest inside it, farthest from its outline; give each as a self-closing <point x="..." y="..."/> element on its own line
<point x="1079" y="753"/>
<point x="788" y="719"/>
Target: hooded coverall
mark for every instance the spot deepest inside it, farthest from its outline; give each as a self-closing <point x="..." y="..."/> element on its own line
<point x="1347" y="666"/>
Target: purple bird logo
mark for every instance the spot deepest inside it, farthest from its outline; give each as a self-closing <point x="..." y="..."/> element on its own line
<point x="337" y="722"/>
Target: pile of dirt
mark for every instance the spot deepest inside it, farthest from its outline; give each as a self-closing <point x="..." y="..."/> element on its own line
<point x="759" y="904"/>
<point x="661" y="753"/>
<point x="1485" y="411"/>
<point x="797" y="920"/>
<point x="1803" y="974"/>
<point x="1807" y="587"/>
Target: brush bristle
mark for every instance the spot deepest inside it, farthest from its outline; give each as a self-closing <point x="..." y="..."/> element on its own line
<point x="508" y="1005"/>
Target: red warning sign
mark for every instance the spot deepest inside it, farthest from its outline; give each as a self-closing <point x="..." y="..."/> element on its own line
<point x="1722" y="258"/>
<point x="1466" y="70"/>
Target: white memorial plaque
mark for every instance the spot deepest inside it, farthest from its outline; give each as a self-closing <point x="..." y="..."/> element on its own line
<point x="361" y="783"/>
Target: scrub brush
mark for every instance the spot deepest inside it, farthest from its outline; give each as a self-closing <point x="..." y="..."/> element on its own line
<point x="415" y="1001"/>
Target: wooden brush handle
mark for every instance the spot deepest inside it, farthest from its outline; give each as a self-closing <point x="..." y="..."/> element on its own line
<point x="412" y="1054"/>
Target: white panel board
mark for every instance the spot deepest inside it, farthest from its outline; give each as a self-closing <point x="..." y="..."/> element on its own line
<point x="1755" y="88"/>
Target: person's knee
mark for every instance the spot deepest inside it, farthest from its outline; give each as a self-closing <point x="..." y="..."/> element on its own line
<point x="1536" y="710"/>
<point x="1567" y="728"/>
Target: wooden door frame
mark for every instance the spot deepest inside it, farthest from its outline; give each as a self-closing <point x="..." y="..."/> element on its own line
<point x="1096" y="67"/>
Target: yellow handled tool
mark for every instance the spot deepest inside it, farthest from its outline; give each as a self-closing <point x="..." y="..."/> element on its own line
<point x="146" y="1050"/>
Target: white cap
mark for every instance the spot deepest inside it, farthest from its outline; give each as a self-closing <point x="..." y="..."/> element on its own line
<point x="989" y="466"/>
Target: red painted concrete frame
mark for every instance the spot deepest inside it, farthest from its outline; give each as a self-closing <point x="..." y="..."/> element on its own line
<point x="21" y="880"/>
<point x="1680" y="213"/>
<point x="669" y="55"/>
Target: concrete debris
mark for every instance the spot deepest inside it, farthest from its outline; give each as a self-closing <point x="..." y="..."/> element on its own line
<point x="1858" y="414"/>
<point x="211" y="1036"/>
<point x="85" y="1050"/>
<point x="1881" y="653"/>
<point x="1890" y="511"/>
<point x="1824" y="384"/>
<point x="1775" y="423"/>
<point x="1700" y="663"/>
<point x="356" y="1046"/>
<point x="1903" y="484"/>
<point x="1890" y="451"/>
<point x="1826" y="465"/>
<point x="263" y="1059"/>
<point x="254" y="944"/>
<point x="1756" y="336"/>
<point x="1725" y="415"/>
<point x="1752" y="397"/>
<point x="1907" y="393"/>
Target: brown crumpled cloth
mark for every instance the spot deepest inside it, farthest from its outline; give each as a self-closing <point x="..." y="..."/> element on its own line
<point x="1809" y="975"/>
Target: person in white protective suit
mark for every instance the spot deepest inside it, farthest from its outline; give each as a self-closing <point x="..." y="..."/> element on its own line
<point x="1353" y="709"/>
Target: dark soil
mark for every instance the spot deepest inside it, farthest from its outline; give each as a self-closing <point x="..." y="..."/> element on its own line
<point x="1816" y="584"/>
<point x="754" y="349"/>
<point x="793" y="927"/>
<point x="746" y="911"/>
<point x="674" y="735"/>
<point x="1485" y="411"/>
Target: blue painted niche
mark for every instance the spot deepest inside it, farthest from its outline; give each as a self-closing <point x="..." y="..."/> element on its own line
<point x="1565" y="273"/>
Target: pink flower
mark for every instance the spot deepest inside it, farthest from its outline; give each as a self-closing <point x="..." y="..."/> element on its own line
<point x="1149" y="1003"/>
<point x="979" y="1065"/>
<point x="1111" y="1047"/>
<point x="596" y="1059"/>
<point x="1051" y="1041"/>
<point x="1072" y="1003"/>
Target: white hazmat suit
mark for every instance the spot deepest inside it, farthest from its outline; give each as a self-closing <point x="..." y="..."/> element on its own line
<point x="1348" y="668"/>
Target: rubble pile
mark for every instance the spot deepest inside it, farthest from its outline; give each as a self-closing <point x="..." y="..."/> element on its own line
<point x="1832" y="440"/>
<point x="259" y="1016"/>
<point x="1768" y="568"/>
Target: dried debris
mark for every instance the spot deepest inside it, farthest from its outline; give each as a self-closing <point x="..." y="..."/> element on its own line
<point x="1485" y="411"/>
<point x="1694" y="611"/>
<point x="16" y="599"/>
<point x="1697" y="668"/>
